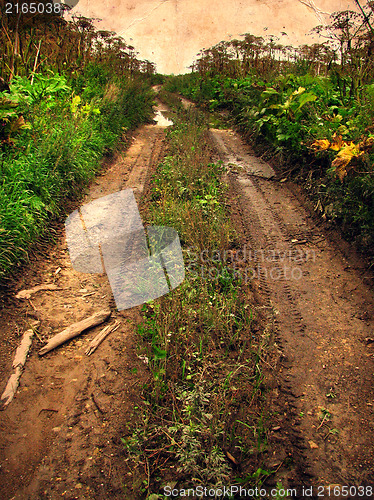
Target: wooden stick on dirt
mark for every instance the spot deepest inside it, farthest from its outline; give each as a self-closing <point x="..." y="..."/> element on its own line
<point x="101" y="336"/>
<point x="26" y="294"/>
<point x="74" y="330"/>
<point x="18" y="364"/>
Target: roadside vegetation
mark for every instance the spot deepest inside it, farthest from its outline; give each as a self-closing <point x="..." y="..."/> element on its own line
<point x="203" y="419"/>
<point x="309" y="110"/>
<point x="68" y="95"/>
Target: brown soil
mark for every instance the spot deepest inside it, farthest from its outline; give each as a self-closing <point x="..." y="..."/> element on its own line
<point x="318" y="287"/>
<point x="60" y="436"/>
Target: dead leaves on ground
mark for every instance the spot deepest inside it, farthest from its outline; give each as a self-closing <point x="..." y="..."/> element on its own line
<point x="347" y="151"/>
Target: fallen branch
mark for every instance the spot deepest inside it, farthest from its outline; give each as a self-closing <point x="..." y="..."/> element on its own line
<point x="26" y="294"/>
<point x="101" y="336"/>
<point x="11" y="387"/>
<point x="75" y="330"/>
<point x="96" y="404"/>
<point x="48" y="409"/>
<point x="18" y="363"/>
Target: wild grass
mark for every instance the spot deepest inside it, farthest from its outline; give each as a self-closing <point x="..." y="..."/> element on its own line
<point x="59" y="154"/>
<point x="201" y="340"/>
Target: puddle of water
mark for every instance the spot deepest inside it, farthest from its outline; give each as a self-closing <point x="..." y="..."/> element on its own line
<point x="162" y="121"/>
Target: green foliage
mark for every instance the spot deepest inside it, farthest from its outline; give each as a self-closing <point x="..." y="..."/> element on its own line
<point x="45" y="89"/>
<point x="288" y="113"/>
<point x="91" y="82"/>
<point x="11" y="122"/>
<point x="59" y="151"/>
<point x="7" y="107"/>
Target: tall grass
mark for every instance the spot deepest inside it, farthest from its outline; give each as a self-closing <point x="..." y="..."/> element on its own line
<point x="60" y="154"/>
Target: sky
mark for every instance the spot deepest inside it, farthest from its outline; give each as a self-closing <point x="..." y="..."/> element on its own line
<point x="170" y="33"/>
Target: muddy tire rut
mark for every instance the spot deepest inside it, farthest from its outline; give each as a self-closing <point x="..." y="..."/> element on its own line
<point x="324" y="323"/>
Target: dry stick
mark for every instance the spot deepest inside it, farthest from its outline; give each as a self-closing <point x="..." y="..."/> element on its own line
<point x="101" y="336"/>
<point x="32" y="305"/>
<point x="321" y="424"/>
<point x="35" y="62"/>
<point x="74" y="330"/>
<point x="18" y="363"/>
<point x="26" y="294"/>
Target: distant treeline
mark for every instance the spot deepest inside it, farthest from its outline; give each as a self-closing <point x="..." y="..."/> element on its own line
<point x="36" y="41"/>
<point x="346" y="50"/>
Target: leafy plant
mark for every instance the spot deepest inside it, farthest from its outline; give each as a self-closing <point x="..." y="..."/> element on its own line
<point x="77" y="108"/>
<point x="291" y="108"/>
<point x="347" y="151"/>
<point x="44" y="90"/>
<point x="11" y="122"/>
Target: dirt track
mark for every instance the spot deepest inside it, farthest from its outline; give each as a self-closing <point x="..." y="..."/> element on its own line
<point x="63" y="428"/>
<point x="324" y="322"/>
<point x="60" y="437"/>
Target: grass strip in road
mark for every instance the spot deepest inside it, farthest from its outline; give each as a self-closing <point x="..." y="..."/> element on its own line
<point x="203" y="420"/>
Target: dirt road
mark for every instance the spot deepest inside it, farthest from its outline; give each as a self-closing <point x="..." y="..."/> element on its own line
<point x="324" y="321"/>
<point x="60" y="437"/>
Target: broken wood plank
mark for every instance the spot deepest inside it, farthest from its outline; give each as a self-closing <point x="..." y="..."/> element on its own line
<point x="26" y="294"/>
<point x="101" y="336"/>
<point x="74" y="330"/>
<point x="18" y="363"/>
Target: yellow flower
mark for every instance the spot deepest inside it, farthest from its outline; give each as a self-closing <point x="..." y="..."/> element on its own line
<point x="321" y="144"/>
